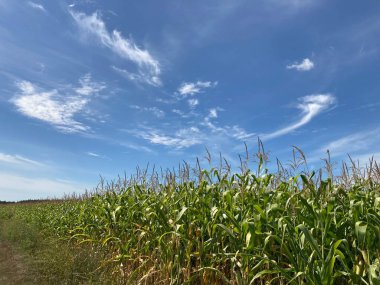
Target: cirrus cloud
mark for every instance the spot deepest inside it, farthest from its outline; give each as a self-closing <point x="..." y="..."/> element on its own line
<point x="191" y="88"/>
<point x="310" y="107"/>
<point x="148" y="68"/>
<point x="183" y="138"/>
<point x="18" y="159"/>
<point x="37" y="6"/>
<point x="55" y="107"/>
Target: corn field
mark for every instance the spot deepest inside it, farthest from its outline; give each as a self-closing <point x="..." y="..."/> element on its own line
<point x="215" y="227"/>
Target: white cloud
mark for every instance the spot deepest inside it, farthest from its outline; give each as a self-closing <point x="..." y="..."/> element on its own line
<point x="153" y="110"/>
<point x="54" y="107"/>
<point x="189" y="114"/>
<point x="136" y="77"/>
<point x="357" y="142"/>
<point x="213" y="113"/>
<point x="97" y="155"/>
<point x="234" y="132"/>
<point x="179" y="112"/>
<point x="156" y="112"/>
<point x="305" y="65"/>
<point x="166" y="101"/>
<point x="240" y="134"/>
<point x="193" y="103"/>
<point x="88" y="87"/>
<point x="148" y="67"/>
<point x="124" y="142"/>
<point x="18" y="159"/>
<point x="310" y="106"/>
<point x="138" y="147"/>
<point x="183" y="138"/>
<point x="371" y="106"/>
<point x="204" y="132"/>
<point x="37" y="6"/>
<point x="183" y="114"/>
<point x="191" y="88"/>
<point x="15" y="187"/>
<point x="361" y="146"/>
<point x="89" y="153"/>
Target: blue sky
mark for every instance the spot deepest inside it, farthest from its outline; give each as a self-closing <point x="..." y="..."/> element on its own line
<point x="90" y="88"/>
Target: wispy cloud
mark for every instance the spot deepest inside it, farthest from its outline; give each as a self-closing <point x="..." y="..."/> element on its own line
<point x="15" y="187"/>
<point x="183" y="138"/>
<point x="123" y="141"/>
<point x="156" y="112"/>
<point x="208" y="130"/>
<point x="240" y="134"/>
<point x="305" y="65"/>
<point x="138" y="147"/>
<point x="178" y="112"/>
<point x="93" y="154"/>
<point x="234" y="132"/>
<point x="18" y="159"/>
<point x="213" y="113"/>
<point x="204" y="132"/>
<point x="310" y="107"/>
<point x="185" y="115"/>
<point x="191" y="88"/>
<point x="148" y="68"/>
<point x="364" y="141"/>
<point x="55" y="107"/>
<point x="37" y="6"/>
<point x="360" y="146"/>
<point x="135" y="77"/>
<point x="370" y="106"/>
<point x="96" y="155"/>
<point x="153" y="110"/>
<point x="88" y="87"/>
<point x="193" y="103"/>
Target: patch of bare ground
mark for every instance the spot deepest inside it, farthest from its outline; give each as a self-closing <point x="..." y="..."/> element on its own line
<point x="13" y="267"/>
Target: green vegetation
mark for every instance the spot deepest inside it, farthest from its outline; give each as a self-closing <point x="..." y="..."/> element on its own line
<point x="209" y="227"/>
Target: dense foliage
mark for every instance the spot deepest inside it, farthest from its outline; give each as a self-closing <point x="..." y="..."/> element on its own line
<point x="248" y="228"/>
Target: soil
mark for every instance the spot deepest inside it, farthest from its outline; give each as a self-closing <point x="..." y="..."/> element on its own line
<point x="13" y="268"/>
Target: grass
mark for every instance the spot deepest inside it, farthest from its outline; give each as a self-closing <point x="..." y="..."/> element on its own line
<point x="48" y="258"/>
<point x="194" y="226"/>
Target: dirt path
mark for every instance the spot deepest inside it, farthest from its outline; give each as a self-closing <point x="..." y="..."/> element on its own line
<point x="13" y="270"/>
